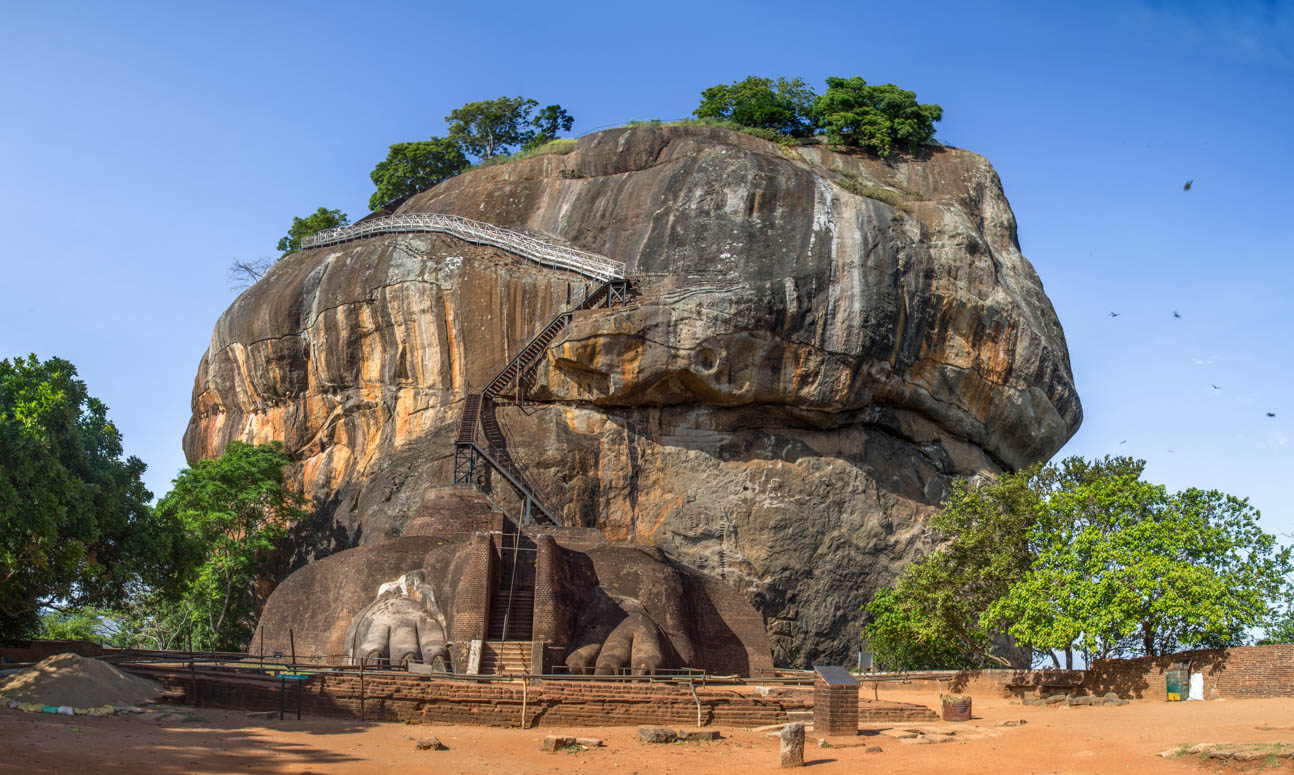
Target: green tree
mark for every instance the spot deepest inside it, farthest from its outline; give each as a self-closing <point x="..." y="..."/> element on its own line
<point x="235" y="509"/>
<point x="313" y="223"/>
<point x="75" y="526"/>
<point x="1281" y="627"/>
<point x="781" y="105"/>
<point x="489" y="128"/>
<point x="935" y="607"/>
<point x="1127" y="568"/>
<point x="412" y="167"/>
<point x="548" y="123"/>
<point x="881" y="119"/>
<point x="1087" y="555"/>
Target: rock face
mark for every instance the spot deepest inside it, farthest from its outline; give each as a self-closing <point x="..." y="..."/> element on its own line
<point x="818" y="344"/>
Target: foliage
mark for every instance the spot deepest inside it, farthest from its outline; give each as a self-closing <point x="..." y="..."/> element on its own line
<point x="412" y="167"/>
<point x="881" y="119"/>
<point x="1124" y="567"/>
<point x="786" y="141"/>
<point x="235" y="510"/>
<point x="1281" y="628"/>
<point x="936" y="604"/>
<point x="854" y="185"/>
<point x="897" y="644"/>
<point x="548" y="122"/>
<point x="75" y="526"/>
<point x="489" y="128"/>
<point x="1084" y="555"/>
<point x="313" y="223"/>
<point x="85" y="623"/>
<point x="780" y="106"/>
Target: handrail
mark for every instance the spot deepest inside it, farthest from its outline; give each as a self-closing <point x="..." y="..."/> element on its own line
<point x="588" y="264"/>
<point x="522" y="490"/>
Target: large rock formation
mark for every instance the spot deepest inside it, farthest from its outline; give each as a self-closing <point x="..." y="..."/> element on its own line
<point x="819" y="343"/>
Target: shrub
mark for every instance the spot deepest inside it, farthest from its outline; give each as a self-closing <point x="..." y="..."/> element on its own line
<point x="881" y="119"/>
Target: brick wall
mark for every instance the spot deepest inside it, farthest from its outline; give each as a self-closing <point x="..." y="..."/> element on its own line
<point x="1236" y="673"/>
<point x="36" y="650"/>
<point x="472" y="600"/>
<point x="1244" y="672"/>
<point x="412" y="698"/>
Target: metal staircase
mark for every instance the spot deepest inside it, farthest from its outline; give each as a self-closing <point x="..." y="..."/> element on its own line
<point x="481" y="447"/>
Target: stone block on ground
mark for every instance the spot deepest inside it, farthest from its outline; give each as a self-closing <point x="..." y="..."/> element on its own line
<point x="656" y="734"/>
<point x="429" y="744"/>
<point x="1056" y="699"/>
<point x="873" y="749"/>
<point x="693" y="735"/>
<point x="589" y="742"/>
<point x="792" y="752"/>
<point x="558" y="742"/>
<point x="1075" y="702"/>
<point x="1033" y="701"/>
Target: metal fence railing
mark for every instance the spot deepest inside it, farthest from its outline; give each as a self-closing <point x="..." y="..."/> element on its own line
<point x="587" y="264"/>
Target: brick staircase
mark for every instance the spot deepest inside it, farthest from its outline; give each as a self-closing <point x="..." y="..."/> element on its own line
<point x="509" y="658"/>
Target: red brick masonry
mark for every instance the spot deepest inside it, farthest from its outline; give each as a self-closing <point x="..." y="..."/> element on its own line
<point x="396" y="697"/>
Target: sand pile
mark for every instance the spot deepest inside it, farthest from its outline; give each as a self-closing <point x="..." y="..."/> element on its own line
<point x="79" y="682"/>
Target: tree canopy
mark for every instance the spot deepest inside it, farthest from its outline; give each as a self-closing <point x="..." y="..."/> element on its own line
<point x="489" y="128"/>
<point x="548" y="123"/>
<point x="412" y="167"/>
<point x="320" y="219"/>
<point x="1081" y="555"/>
<point x="781" y="105"/>
<point x="235" y="510"/>
<point x="879" y="118"/>
<point x="75" y="525"/>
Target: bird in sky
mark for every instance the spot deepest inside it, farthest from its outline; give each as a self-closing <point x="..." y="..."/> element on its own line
<point x="1187" y="187"/>
<point x="1114" y="314"/>
<point x="1215" y="387"/>
<point x="1125" y="441"/>
<point x="1176" y="314"/>
<point x="1271" y="414"/>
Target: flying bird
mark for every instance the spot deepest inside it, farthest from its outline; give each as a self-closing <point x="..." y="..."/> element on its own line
<point x="1176" y="314"/>
<point x="1271" y="414"/>
<point x="1187" y="187"/>
<point x="1114" y="314"/>
<point x="1125" y="441"/>
<point x="1215" y="387"/>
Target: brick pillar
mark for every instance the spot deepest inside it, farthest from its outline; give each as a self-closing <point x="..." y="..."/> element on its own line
<point x="472" y="598"/>
<point x="835" y="708"/>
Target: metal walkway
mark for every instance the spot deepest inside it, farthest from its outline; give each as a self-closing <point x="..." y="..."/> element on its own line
<point x="480" y="446"/>
<point x="587" y="264"/>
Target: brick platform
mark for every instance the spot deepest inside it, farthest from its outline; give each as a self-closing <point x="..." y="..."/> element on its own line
<point x="413" y="698"/>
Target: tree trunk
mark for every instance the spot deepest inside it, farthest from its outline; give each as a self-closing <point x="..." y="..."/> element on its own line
<point x="1069" y="657"/>
<point x="1148" y="639"/>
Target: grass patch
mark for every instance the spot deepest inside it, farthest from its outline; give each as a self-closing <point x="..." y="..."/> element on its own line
<point x="889" y="196"/>
<point x="561" y="145"/>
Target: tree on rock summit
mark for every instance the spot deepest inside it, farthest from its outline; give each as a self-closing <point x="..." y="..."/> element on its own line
<point x="412" y="167"/>
<point x="490" y="128"/>
<point x="320" y="219"/>
<point x="881" y="119"/>
<point x="778" y="105"/>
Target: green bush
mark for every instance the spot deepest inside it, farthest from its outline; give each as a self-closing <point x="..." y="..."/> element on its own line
<point x="889" y="196"/>
<point x="779" y="106"/>
<point x="881" y="119"/>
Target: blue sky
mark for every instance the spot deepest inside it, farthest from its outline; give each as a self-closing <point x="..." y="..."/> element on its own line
<point x="145" y="146"/>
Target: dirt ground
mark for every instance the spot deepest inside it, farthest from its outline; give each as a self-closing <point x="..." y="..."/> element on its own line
<point x="1069" y="740"/>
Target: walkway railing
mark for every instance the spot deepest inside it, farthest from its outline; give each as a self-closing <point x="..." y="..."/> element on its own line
<point x="587" y="264"/>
